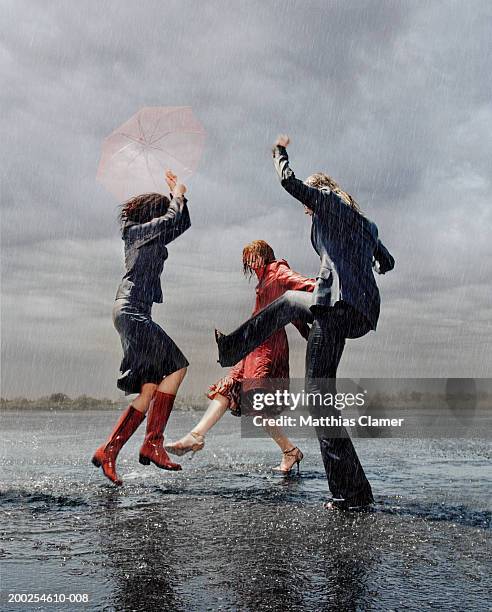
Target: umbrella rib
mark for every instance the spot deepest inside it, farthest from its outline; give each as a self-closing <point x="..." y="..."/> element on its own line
<point x="130" y="137"/>
<point x="181" y="132"/>
<point x="160" y="137"/>
<point x="154" y="129"/>
<point x="173" y="156"/>
<point x="122" y="149"/>
<point x="148" y="168"/>
<point x="149" y="146"/>
<point x="141" y="129"/>
<point x="135" y="157"/>
<point x="156" y="148"/>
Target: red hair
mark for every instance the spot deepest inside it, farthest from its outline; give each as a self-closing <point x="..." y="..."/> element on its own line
<point x="259" y="250"/>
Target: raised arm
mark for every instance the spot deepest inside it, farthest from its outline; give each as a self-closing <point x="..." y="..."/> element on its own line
<point x="309" y="196"/>
<point x="317" y="200"/>
<point x="167" y="227"/>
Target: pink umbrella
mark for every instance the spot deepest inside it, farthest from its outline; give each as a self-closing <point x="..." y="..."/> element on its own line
<point x="135" y="156"/>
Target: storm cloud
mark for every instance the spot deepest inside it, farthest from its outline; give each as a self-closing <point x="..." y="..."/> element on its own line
<point x="392" y="99"/>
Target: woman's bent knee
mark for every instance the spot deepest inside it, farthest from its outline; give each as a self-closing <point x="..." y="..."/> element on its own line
<point x="148" y="388"/>
<point x="298" y="302"/>
<point x="289" y="296"/>
<point x="179" y="374"/>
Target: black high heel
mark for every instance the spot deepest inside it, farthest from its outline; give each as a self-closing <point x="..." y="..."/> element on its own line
<point x="219" y="336"/>
<point x="297" y="456"/>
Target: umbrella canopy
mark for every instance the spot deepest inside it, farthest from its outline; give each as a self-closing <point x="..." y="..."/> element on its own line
<point x="135" y="156"/>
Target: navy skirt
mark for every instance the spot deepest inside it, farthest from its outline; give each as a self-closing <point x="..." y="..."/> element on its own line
<point x="149" y="354"/>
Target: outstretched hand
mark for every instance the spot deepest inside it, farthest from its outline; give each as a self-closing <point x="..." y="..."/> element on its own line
<point x="171" y="180"/>
<point x="176" y="189"/>
<point x="282" y="140"/>
<point x="179" y="190"/>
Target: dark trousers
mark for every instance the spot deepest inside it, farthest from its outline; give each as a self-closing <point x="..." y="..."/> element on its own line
<point x="346" y="478"/>
<point x="291" y="306"/>
<point x="330" y="327"/>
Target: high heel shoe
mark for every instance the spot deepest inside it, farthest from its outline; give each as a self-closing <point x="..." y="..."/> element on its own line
<point x="180" y="447"/>
<point x="296" y="456"/>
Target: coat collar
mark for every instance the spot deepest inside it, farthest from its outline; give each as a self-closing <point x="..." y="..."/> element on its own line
<point x="270" y="270"/>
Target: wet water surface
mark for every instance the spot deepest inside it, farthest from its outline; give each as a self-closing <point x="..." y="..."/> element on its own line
<point x="227" y="534"/>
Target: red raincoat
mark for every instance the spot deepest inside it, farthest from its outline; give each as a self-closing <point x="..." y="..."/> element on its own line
<point x="271" y="359"/>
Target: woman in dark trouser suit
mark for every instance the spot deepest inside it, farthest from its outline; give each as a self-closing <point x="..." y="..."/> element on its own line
<point x="345" y="305"/>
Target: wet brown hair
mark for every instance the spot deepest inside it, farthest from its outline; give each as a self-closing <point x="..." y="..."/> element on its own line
<point x="143" y="208"/>
<point x="258" y="249"/>
<point x="320" y="179"/>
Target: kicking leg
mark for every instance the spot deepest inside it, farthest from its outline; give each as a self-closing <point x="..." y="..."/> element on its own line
<point x="291" y="306"/>
<point x="195" y="439"/>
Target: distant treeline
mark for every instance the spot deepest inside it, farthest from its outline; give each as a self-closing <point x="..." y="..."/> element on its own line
<point x="60" y="401"/>
<point x="402" y="399"/>
<point x="425" y="398"/>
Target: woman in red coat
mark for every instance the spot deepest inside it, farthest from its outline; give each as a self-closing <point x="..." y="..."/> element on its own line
<point x="270" y="360"/>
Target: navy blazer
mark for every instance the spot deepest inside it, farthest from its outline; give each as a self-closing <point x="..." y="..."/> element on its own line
<point x="347" y="243"/>
<point x="146" y="252"/>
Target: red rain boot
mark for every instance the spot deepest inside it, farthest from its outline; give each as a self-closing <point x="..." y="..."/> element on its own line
<point x="153" y="449"/>
<point x="105" y="456"/>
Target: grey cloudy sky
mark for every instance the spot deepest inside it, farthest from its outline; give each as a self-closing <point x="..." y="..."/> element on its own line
<point x="391" y="98"/>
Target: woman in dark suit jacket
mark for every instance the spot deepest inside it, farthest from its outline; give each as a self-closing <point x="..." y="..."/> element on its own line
<point x="152" y="365"/>
<point x="345" y="305"/>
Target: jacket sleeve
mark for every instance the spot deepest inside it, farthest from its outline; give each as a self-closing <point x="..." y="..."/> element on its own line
<point x="383" y="260"/>
<point x="309" y="196"/>
<point x="167" y="227"/>
<point x="289" y="279"/>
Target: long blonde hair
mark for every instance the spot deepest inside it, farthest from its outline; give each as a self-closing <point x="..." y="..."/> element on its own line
<point x="320" y="180"/>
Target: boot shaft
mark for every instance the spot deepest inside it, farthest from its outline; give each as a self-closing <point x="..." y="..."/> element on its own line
<point x="158" y="415"/>
<point x="125" y="427"/>
<point x="152" y="449"/>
